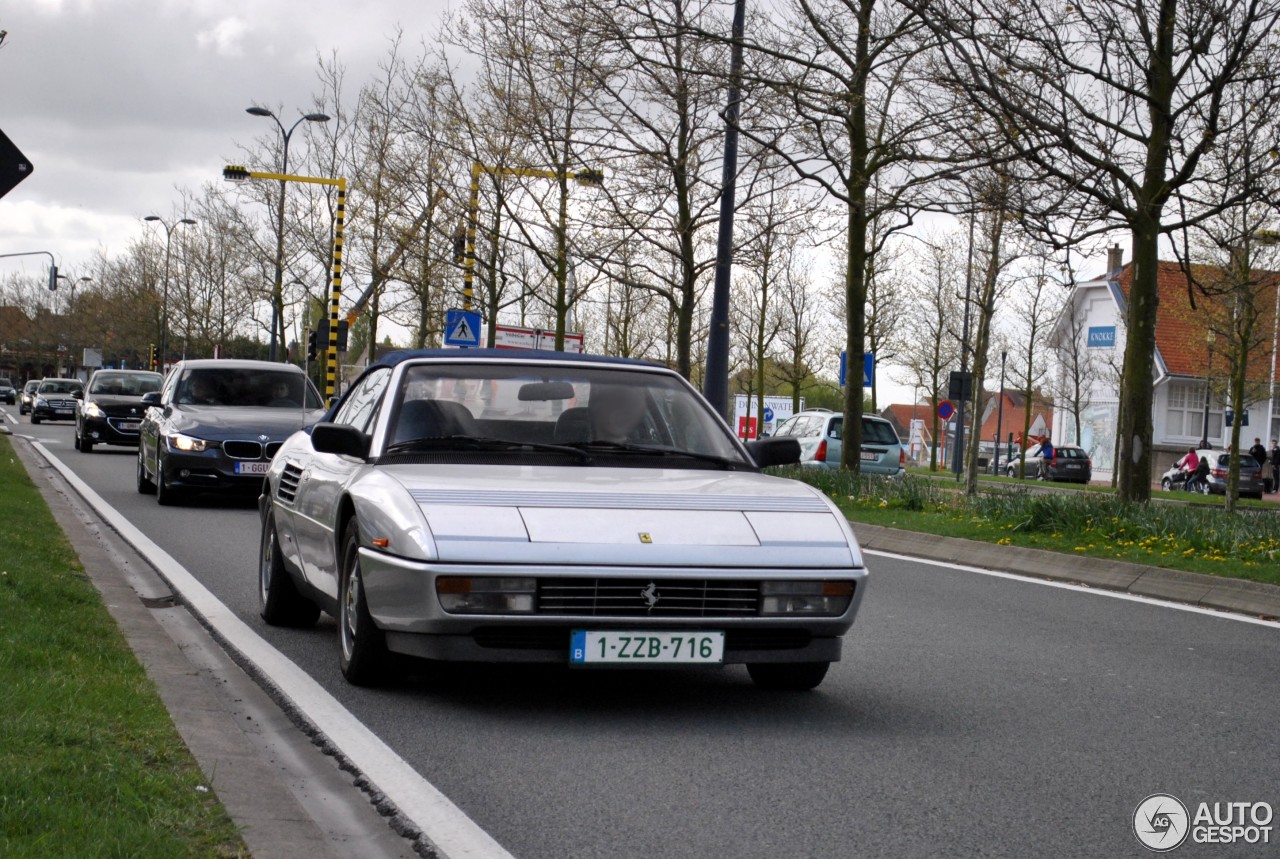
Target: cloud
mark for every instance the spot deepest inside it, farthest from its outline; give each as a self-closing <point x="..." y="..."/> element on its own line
<point x="225" y="38"/>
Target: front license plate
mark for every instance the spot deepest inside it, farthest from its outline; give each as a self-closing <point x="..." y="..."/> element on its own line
<point x="252" y="467"/>
<point x="62" y="411"/>
<point x="129" y="426"/>
<point x="648" y="648"/>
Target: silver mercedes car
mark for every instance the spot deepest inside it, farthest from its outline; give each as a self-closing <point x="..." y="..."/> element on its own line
<point x="507" y="506"/>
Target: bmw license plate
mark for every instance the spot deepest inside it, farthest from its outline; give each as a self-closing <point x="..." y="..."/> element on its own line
<point x="645" y="648"/>
<point x="252" y="467"/>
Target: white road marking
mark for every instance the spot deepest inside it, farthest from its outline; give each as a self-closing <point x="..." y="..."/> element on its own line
<point x="1070" y="586"/>
<point x="443" y="824"/>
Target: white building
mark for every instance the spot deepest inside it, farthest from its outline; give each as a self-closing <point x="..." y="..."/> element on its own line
<point x="1090" y="334"/>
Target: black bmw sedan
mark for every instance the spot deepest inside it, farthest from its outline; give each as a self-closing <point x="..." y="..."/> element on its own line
<point x="215" y="425"/>
<point x="110" y="409"/>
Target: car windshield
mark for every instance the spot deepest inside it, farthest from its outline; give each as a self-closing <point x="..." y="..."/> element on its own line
<point x="59" y="386"/>
<point x="124" y="384"/>
<point x="620" y="411"/>
<point x="229" y="386"/>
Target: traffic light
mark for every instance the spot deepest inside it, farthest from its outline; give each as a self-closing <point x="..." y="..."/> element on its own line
<point x="593" y="178"/>
<point x="311" y="346"/>
<point x="342" y="335"/>
<point x="151" y="359"/>
<point x="460" y="244"/>
<point x="53" y="277"/>
<point x="235" y="173"/>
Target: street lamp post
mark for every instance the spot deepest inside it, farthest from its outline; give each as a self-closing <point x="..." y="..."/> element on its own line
<point x="71" y="309"/>
<point x="164" y="307"/>
<point x="1004" y="353"/>
<point x="277" y="294"/>
<point x="1208" y="371"/>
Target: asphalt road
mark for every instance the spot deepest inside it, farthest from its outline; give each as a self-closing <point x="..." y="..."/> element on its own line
<point x="972" y="716"/>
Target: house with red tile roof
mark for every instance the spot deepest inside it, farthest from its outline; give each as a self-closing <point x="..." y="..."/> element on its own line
<point x="1190" y="377"/>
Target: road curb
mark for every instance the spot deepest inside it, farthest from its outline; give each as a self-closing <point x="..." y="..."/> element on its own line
<point x="1235" y="595"/>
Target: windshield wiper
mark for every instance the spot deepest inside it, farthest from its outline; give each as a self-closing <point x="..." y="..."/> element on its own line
<point x="482" y="443"/>
<point x="627" y="447"/>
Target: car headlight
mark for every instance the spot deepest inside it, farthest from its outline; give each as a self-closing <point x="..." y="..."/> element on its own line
<point x="42" y="402"/>
<point x="94" y="410"/>
<point x="178" y="441"/>
<point x="805" y="597"/>
<point x="462" y="595"/>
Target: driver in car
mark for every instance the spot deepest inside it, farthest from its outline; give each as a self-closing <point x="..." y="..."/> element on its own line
<point x="616" y="412"/>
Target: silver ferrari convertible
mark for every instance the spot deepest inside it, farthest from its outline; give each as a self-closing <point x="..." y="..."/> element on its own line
<point x="508" y="506"/>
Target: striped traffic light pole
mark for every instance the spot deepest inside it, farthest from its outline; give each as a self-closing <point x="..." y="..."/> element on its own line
<point x="239" y="174"/>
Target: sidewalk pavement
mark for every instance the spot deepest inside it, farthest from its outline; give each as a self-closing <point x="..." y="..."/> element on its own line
<point x="1234" y="595"/>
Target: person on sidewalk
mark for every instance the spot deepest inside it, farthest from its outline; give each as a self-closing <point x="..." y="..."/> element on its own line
<point x="1258" y="452"/>
<point x="1275" y="466"/>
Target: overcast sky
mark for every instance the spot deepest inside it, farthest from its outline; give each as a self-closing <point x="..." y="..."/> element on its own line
<point x="118" y="103"/>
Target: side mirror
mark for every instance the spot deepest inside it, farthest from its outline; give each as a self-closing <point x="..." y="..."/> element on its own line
<point x="151" y="399"/>
<point x="77" y="395"/>
<point x="774" y="451"/>
<point x="342" y="439"/>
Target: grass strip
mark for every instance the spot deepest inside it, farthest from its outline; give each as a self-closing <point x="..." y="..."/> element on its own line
<point x="1179" y="537"/>
<point x="90" y="762"/>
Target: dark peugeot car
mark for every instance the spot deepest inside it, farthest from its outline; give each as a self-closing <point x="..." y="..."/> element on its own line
<point x="55" y="400"/>
<point x="7" y="391"/>
<point x="111" y="408"/>
<point x="215" y="425"/>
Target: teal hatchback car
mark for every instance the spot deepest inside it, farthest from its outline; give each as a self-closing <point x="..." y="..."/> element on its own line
<point x="820" y="431"/>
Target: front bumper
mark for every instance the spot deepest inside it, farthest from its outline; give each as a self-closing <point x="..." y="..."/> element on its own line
<point x="111" y="430"/>
<point x="213" y="471"/>
<point x="401" y="597"/>
<point x="53" y="412"/>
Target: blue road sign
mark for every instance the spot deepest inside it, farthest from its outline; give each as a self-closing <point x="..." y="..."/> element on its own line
<point x="868" y="368"/>
<point x="768" y="415"/>
<point x="461" y="328"/>
<point x="946" y="410"/>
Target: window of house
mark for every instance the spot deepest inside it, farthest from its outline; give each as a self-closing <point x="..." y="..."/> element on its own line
<point x="1184" y="417"/>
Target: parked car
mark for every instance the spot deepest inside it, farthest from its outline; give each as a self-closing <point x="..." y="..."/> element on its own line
<point x="1251" y="479"/>
<point x="110" y="410"/>
<point x="27" y="399"/>
<point x="511" y="506"/>
<point x="820" y="431"/>
<point x="8" y="392"/>
<point x="1069" y="464"/>
<point x="216" y="424"/>
<point x="55" y="400"/>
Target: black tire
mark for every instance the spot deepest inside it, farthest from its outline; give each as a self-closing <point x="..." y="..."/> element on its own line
<point x="788" y="676"/>
<point x="35" y="419"/>
<point x="1166" y="484"/>
<point x="166" y="495"/>
<point x="279" y="602"/>
<point x="83" y="444"/>
<point x="362" y="647"/>
<point x="1204" y="488"/>
<point x="145" y="486"/>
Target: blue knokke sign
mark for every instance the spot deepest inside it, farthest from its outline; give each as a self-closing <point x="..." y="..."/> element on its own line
<point x="1102" y="337"/>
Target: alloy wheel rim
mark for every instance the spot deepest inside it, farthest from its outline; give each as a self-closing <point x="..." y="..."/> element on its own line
<point x="350" y="608"/>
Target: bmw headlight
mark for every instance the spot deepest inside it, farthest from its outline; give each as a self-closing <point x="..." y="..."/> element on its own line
<point x="464" y="595"/>
<point x="782" y="599"/>
<point x="178" y="441"/>
<point x="94" y="410"/>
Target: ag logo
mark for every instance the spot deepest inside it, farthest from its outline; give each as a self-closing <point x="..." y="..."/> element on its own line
<point x="1160" y="822"/>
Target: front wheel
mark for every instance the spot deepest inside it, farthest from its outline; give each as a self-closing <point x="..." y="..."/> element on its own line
<point x="279" y="602"/>
<point x="788" y="676"/>
<point x="35" y="419"/>
<point x="363" y="655"/>
<point x="166" y="495"/>
<point x="1204" y="488"/>
<point x="1166" y="485"/>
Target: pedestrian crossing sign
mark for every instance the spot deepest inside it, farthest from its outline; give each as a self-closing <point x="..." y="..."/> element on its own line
<point x="461" y="328"/>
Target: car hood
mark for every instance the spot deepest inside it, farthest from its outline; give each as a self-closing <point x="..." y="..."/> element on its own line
<point x="113" y="402"/>
<point x="627" y="516"/>
<point x="218" y="423"/>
